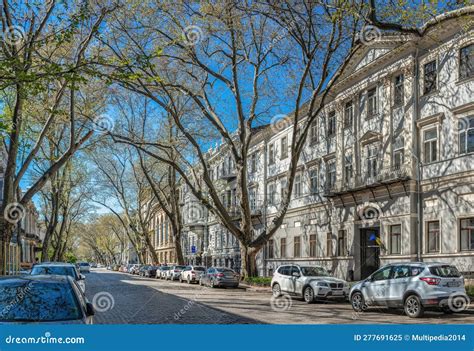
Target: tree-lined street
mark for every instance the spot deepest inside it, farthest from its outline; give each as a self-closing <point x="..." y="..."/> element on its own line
<point x="144" y="300"/>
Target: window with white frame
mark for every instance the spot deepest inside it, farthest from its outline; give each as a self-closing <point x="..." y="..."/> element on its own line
<point x="348" y="114"/>
<point x="282" y="188"/>
<point x="433" y="236"/>
<point x="466" y="62"/>
<point x="253" y="162"/>
<point x="395" y="239"/>
<point x="253" y="198"/>
<point x="372" y="156"/>
<point x="348" y="167"/>
<point x="284" y="147"/>
<point x="271" y="153"/>
<point x="467" y="234"/>
<point x="271" y="194"/>
<point x="297" y="191"/>
<point x="313" y="181"/>
<point x="466" y="135"/>
<point x="331" y="127"/>
<point x="430" y="145"/>
<point x="430" y="77"/>
<point x="398" y="153"/>
<point x="331" y="174"/>
<point x="398" y="90"/>
<point x="313" y="132"/>
<point x="371" y="102"/>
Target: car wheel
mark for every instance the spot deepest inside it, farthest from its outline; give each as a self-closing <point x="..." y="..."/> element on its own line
<point x="308" y="294"/>
<point x="413" y="307"/>
<point x="276" y="290"/>
<point x="358" y="302"/>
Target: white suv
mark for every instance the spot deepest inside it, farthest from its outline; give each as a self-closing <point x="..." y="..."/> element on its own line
<point x="413" y="286"/>
<point x="310" y="282"/>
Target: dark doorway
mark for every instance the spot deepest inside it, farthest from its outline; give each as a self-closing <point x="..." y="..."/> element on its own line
<point x="370" y="251"/>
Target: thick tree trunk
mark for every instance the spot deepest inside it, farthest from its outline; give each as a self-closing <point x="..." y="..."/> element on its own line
<point x="248" y="263"/>
<point x="151" y="248"/>
<point x="179" y="251"/>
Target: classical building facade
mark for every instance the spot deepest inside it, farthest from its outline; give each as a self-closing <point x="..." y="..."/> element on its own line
<point x="387" y="174"/>
<point x="162" y="238"/>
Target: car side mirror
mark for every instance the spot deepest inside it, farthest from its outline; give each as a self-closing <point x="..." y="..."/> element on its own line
<point x="295" y="274"/>
<point x="90" y="309"/>
<point x="82" y="277"/>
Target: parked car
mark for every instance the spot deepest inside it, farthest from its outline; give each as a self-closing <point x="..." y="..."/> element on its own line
<point x="413" y="286"/>
<point x="150" y="272"/>
<point x="192" y="274"/>
<point x="174" y="272"/>
<point x="134" y="269"/>
<point x="309" y="282"/>
<point x="141" y="271"/>
<point x="84" y="267"/>
<point x="161" y="273"/>
<point x="220" y="276"/>
<point x="58" y="268"/>
<point x="49" y="299"/>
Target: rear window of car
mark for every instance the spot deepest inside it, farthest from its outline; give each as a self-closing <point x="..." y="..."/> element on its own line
<point x="59" y="270"/>
<point x="83" y="264"/>
<point x="202" y="269"/>
<point x="445" y="271"/>
<point x="225" y="270"/>
<point x="40" y="302"/>
<point x="180" y="267"/>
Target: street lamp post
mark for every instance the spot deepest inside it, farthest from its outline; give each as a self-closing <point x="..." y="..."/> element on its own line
<point x="419" y="176"/>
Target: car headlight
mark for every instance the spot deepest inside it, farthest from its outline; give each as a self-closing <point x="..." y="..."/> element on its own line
<point x="322" y="284"/>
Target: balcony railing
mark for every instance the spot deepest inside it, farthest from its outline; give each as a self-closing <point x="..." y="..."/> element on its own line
<point x="236" y="211"/>
<point x="384" y="176"/>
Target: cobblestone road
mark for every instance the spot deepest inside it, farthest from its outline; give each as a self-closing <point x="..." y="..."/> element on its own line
<point x="144" y="300"/>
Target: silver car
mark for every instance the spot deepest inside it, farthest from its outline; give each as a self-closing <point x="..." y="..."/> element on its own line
<point x="174" y="272"/>
<point x="220" y="277"/>
<point x="309" y="282"/>
<point x="413" y="286"/>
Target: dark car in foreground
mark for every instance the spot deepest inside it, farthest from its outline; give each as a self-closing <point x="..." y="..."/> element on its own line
<point x="150" y="271"/>
<point x="43" y="299"/>
<point x="220" y="277"/>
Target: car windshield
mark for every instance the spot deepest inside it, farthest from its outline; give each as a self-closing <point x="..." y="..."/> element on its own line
<point x="314" y="272"/>
<point x="33" y="301"/>
<point x="83" y="264"/>
<point x="59" y="270"/>
<point x="180" y="267"/>
<point x="165" y="268"/>
<point x="202" y="269"/>
<point x="445" y="271"/>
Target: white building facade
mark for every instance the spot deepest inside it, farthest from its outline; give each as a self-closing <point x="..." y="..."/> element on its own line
<point x="387" y="174"/>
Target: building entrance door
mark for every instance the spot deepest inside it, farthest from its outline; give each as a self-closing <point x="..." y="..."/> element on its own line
<point x="370" y="251"/>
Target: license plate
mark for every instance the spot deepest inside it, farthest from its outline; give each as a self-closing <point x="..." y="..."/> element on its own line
<point x="337" y="292"/>
<point x="453" y="284"/>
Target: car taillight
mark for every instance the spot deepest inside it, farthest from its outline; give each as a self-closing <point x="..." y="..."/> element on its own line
<point x="220" y="275"/>
<point x="431" y="281"/>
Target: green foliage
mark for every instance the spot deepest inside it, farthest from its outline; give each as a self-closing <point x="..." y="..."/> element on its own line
<point x="470" y="290"/>
<point x="70" y="257"/>
<point x="258" y="281"/>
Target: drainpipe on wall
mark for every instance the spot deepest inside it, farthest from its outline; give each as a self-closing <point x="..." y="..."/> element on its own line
<point x="264" y="212"/>
<point x="417" y="155"/>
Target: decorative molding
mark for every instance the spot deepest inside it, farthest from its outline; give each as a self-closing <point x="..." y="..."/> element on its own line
<point x="463" y="108"/>
<point x="425" y="121"/>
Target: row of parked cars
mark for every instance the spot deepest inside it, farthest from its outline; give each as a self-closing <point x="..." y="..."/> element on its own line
<point x="51" y="292"/>
<point x="413" y="286"/>
<point x="213" y="276"/>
